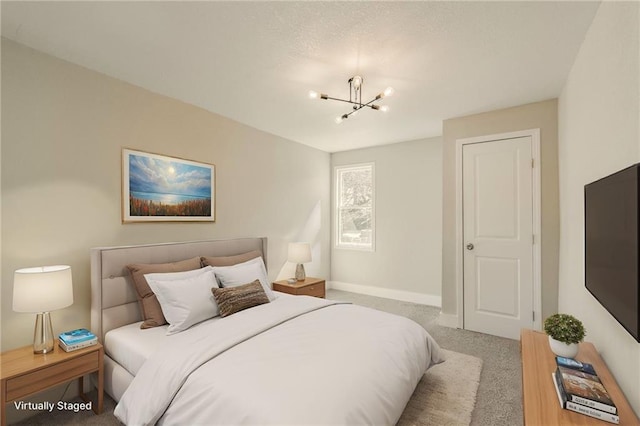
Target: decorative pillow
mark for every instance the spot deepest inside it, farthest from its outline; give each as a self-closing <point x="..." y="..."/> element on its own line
<point x="234" y="299"/>
<point x="242" y="273"/>
<point x="151" y="311"/>
<point x="229" y="260"/>
<point x="185" y="301"/>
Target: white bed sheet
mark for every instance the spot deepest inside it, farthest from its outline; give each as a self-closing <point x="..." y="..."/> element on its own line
<point x="130" y="346"/>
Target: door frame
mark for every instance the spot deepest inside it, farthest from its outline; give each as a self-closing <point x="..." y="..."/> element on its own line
<point x="537" y="226"/>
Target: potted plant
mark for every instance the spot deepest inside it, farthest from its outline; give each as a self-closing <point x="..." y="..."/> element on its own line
<point x="565" y="332"/>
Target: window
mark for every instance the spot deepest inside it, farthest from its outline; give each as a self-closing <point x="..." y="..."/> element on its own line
<point x="355" y="225"/>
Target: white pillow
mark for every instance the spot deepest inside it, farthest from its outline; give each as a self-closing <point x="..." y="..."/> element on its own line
<point x="245" y="273"/>
<point x="185" y="301"/>
<point x="176" y="276"/>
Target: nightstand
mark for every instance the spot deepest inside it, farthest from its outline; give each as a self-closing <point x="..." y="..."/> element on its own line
<point x="24" y="373"/>
<point x="309" y="287"/>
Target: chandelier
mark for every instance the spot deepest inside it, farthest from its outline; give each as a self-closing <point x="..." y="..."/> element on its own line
<point x="355" y="98"/>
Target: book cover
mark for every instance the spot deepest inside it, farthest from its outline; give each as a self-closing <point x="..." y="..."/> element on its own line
<point x="78" y="345"/>
<point x="586" y="389"/>
<point x="578" y="408"/>
<point x="75" y="336"/>
<point x="575" y="365"/>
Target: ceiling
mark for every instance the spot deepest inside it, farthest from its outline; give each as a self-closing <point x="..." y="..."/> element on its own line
<point x="255" y="62"/>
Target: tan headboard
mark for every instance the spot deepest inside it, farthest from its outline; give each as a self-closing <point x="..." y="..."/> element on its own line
<point x="113" y="298"/>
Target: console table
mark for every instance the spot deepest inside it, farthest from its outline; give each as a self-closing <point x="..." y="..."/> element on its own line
<point x="539" y="400"/>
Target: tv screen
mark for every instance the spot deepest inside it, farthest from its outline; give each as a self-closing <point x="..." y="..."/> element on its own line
<point x="611" y="245"/>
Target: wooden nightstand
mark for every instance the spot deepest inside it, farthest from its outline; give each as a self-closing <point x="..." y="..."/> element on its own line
<point x="309" y="287"/>
<point x="24" y="373"/>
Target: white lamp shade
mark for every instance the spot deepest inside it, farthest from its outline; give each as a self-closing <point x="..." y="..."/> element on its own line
<point x="299" y="252"/>
<point x="42" y="289"/>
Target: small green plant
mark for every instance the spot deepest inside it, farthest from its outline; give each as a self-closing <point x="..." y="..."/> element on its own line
<point x="564" y="328"/>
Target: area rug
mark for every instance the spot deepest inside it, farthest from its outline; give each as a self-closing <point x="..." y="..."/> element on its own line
<point x="446" y="394"/>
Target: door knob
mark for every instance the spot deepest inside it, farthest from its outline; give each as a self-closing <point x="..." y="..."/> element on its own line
<point x="469" y="246"/>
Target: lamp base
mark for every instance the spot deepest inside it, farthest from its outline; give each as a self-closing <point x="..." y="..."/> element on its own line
<point x="300" y="275"/>
<point x="43" y="334"/>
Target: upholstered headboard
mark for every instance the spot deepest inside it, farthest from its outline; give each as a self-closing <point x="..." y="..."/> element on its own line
<point x="113" y="297"/>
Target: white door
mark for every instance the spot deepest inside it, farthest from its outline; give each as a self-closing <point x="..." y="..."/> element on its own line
<point x="498" y="236"/>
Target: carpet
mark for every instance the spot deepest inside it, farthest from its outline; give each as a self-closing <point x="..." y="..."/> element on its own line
<point x="446" y="394"/>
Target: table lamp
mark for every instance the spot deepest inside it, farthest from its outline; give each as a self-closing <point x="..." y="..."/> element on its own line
<point x="299" y="253"/>
<point x="41" y="290"/>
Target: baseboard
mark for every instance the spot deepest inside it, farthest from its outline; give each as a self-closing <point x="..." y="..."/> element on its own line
<point x="387" y="293"/>
<point x="448" y="320"/>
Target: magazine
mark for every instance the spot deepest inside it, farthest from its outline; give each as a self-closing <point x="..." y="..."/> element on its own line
<point x="76" y="336"/>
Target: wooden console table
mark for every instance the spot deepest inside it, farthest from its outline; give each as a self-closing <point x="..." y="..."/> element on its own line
<point x="539" y="399"/>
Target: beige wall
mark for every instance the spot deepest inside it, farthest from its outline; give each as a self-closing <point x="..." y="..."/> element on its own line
<point x="406" y="262"/>
<point x="542" y="115"/>
<point x="599" y="115"/>
<point x="63" y="128"/>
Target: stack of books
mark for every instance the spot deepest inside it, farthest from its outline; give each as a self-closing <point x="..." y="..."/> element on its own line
<point x="76" y="339"/>
<point x="579" y="389"/>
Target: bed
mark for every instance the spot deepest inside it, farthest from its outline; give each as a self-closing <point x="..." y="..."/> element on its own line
<point x="295" y="360"/>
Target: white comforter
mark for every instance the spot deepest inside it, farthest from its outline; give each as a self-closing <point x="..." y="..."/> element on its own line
<point x="294" y="361"/>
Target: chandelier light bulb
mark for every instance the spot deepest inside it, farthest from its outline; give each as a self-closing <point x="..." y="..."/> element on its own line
<point x="389" y="91"/>
<point x="357" y="81"/>
<point x="313" y="94"/>
<point x="338" y="120"/>
<point x="384" y="108"/>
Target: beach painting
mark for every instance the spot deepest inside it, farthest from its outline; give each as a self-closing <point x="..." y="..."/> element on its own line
<point x="157" y="188"/>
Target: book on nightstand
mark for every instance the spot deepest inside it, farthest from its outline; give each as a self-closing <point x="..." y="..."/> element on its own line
<point x="75" y="346"/>
<point x="76" y="339"/>
<point x="586" y="389"/>
<point x="579" y="408"/>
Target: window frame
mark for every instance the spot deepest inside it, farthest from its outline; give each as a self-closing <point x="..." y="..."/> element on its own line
<point x="338" y="171"/>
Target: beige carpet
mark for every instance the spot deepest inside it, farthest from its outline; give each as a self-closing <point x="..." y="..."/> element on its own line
<point x="446" y="394"/>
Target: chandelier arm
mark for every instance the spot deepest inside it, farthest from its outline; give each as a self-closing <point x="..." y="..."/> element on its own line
<point x="342" y="100"/>
<point x="368" y="104"/>
<point x="349" y="113"/>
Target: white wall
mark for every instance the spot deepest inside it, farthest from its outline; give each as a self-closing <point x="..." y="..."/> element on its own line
<point x="63" y="128"/>
<point x="599" y="133"/>
<point x="406" y="263"/>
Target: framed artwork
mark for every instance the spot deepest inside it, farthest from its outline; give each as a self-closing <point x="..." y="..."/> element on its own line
<point x="158" y="188"/>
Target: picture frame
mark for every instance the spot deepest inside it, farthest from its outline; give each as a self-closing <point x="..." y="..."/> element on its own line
<point x="161" y="188"/>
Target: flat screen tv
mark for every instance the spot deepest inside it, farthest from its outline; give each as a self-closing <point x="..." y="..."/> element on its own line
<point x="612" y="245"/>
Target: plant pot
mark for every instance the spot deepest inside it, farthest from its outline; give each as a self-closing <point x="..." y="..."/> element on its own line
<point x="562" y="349"/>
